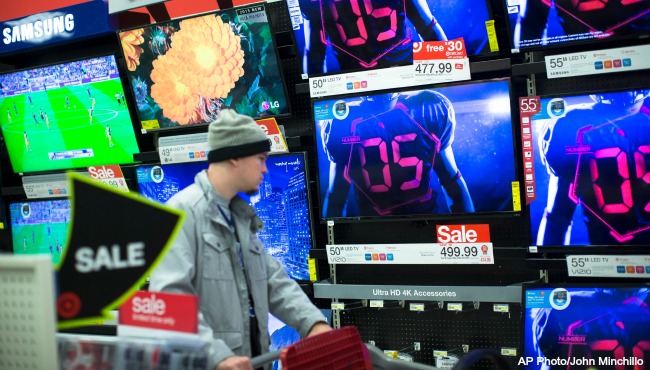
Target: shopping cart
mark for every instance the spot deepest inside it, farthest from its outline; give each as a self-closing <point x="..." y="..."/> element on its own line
<point x="342" y="349"/>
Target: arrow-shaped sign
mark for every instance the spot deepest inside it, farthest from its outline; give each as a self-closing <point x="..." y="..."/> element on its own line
<point x="116" y="240"/>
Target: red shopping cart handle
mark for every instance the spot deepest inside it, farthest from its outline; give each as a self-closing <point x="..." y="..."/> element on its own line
<point x="342" y="349"/>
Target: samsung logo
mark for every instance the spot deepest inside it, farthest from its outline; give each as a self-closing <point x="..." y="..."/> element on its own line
<point x="38" y="30"/>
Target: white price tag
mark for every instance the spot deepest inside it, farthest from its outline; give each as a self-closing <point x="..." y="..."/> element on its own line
<point x="509" y="351"/>
<point x="184" y="148"/>
<point x="454" y="306"/>
<point x="46" y="186"/>
<point x="376" y="303"/>
<point x="337" y="306"/>
<point x="598" y="61"/>
<point x="632" y="266"/>
<point x="416" y="307"/>
<point x="446" y="362"/>
<point x="419" y="254"/>
<point x="500" y="307"/>
<point x="450" y="64"/>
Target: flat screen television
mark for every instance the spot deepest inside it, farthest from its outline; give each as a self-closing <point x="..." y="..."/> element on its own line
<point x="282" y="204"/>
<point x="40" y="227"/>
<point x="416" y="153"/>
<point x="185" y="71"/>
<point x="68" y="115"/>
<point x="536" y="24"/>
<point x="351" y="35"/>
<point x="586" y="327"/>
<point x="591" y="170"/>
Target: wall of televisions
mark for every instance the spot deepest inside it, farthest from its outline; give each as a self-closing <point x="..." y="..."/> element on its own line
<point x="508" y="209"/>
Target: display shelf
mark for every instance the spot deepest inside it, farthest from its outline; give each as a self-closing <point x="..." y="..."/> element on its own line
<point x="501" y="294"/>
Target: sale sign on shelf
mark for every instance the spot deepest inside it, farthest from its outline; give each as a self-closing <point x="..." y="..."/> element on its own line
<point x="528" y="107"/>
<point x="158" y="314"/>
<point x="444" y="60"/>
<point x="109" y="175"/>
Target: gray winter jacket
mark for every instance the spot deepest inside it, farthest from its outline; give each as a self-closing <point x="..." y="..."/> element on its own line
<point x="216" y="277"/>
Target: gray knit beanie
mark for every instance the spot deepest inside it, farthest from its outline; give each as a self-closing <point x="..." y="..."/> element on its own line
<point x="233" y="135"/>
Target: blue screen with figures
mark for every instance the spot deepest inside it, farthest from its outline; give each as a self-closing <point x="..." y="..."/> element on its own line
<point x="380" y="33"/>
<point x="282" y="203"/>
<point x="591" y="169"/>
<point x="415" y="153"/>
<point x="586" y="327"/>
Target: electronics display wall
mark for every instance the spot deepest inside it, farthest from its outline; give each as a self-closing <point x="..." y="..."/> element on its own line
<point x="511" y="232"/>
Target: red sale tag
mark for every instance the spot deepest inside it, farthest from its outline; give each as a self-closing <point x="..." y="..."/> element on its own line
<point x="438" y="50"/>
<point x="161" y="311"/>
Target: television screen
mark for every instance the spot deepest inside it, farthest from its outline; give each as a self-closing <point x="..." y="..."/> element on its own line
<point x="68" y="115"/>
<point x="416" y="153"/>
<point x="540" y="23"/>
<point x="160" y="183"/>
<point x="587" y="327"/>
<point x="591" y="162"/>
<point x="185" y="71"/>
<point x="40" y="227"/>
<point x="345" y="36"/>
<point x="282" y="204"/>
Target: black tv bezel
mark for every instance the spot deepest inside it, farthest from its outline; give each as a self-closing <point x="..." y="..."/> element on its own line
<point x="561" y="250"/>
<point x="424" y="217"/>
<point x="179" y="128"/>
<point x="136" y="133"/>
<point x="472" y="58"/>
<point x="590" y="285"/>
<point x="592" y="43"/>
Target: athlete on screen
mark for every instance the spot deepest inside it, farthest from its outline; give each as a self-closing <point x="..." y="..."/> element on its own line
<point x="27" y="147"/>
<point x="376" y="34"/>
<point x="549" y="21"/>
<point x="35" y="119"/>
<point x="90" y="116"/>
<point x="47" y="121"/>
<point x="29" y="97"/>
<point x="24" y="244"/>
<point x="599" y="324"/>
<point x="92" y="102"/>
<point x="9" y="116"/>
<point x="16" y="109"/>
<point x="402" y="161"/>
<point x="42" y="115"/>
<point x="609" y="180"/>
<point x="67" y="102"/>
<point x="109" y="137"/>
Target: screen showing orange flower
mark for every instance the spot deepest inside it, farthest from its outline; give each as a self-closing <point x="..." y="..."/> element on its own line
<point x="185" y="71"/>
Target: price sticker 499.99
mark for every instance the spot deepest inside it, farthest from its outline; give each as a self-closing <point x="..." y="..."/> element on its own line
<point x="444" y="60"/>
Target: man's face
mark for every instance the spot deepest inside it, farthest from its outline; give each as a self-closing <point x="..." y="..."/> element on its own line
<point x="629" y="101"/>
<point x="252" y="171"/>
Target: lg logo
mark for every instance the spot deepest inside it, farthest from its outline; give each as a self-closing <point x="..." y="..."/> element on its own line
<point x="268" y="105"/>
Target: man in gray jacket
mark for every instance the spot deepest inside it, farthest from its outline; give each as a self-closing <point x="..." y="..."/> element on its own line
<point x="218" y="257"/>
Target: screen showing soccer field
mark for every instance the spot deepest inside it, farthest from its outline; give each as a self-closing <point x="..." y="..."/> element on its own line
<point x="40" y="227"/>
<point x="537" y="24"/>
<point x="282" y="204"/>
<point x="586" y="327"/>
<point x="65" y="116"/>
<point x="335" y="36"/>
<point x="415" y="153"/>
<point x="184" y="72"/>
<point x="592" y="170"/>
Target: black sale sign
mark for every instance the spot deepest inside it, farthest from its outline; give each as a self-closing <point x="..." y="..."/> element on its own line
<point x="116" y="240"/>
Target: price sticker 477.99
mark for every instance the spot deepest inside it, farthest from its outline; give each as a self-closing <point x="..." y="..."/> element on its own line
<point x="444" y="60"/>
